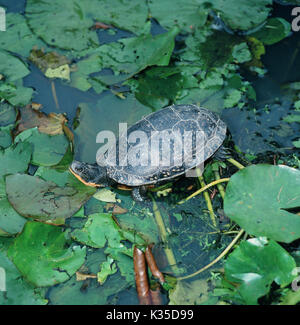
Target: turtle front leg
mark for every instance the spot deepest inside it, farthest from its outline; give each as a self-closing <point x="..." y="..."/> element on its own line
<point x="139" y="193"/>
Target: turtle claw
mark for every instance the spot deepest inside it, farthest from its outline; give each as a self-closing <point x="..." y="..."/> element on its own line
<point x="221" y="154"/>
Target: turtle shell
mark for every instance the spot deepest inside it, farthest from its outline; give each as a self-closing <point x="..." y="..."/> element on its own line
<point x="140" y="162"/>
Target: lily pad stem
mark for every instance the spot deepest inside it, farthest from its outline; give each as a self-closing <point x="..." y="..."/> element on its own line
<point x="220" y="186"/>
<point x="205" y="187"/>
<point x="235" y="163"/>
<point x="228" y="248"/>
<point x="164" y="236"/>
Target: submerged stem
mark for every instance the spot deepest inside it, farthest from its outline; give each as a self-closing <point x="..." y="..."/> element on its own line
<point x="164" y="236"/>
<point x="227" y="249"/>
<point x="205" y="187"/>
<point x="235" y="163"/>
<point x="219" y="186"/>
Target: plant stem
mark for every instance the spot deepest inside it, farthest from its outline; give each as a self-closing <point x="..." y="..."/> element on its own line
<point x="220" y="186"/>
<point x="215" y="260"/>
<point x="235" y="163"/>
<point x="205" y="187"/>
<point x="164" y="236"/>
<point x="207" y="198"/>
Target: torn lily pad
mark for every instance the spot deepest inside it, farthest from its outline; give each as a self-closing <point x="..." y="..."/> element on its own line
<point x="125" y="58"/>
<point x="42" y="253"/>
<point x="34" y="197"/>
<point x="106" y="268"/>
<point x="99" y="229"/>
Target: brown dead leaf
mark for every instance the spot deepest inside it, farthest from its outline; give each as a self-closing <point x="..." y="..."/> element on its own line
<point x="51" y="124"/>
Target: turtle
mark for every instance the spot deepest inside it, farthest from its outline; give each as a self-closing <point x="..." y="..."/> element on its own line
<point x="172" y="121"/>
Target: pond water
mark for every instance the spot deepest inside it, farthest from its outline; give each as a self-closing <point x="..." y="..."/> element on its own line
<point x="257" y="130"/>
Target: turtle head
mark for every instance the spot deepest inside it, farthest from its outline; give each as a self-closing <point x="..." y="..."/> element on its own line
<point x="89" y="174"/>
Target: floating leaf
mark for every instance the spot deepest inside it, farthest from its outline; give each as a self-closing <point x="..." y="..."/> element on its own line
<point x="5" y="136"/>
<point x="18" y="37"/>
<point x="273" y="31"/>
<point x="192" y="15"/>
<point x="105" y="195"/>
<point x="18" y="291"/>
<point x="12" y="67"/>
<point x="7" y="114"/>
<point x="106" y="268"/>
<point x="125" y="57"/>
<point x="48" y="150"/>
<point x="254" y="265"/>
<point x="15" y="159"/>
<point x="51" y="64"/>
<point x="67" y="26"/>
<point x="51" y="124"/>
<point x="33" y="197"/>
<point x="13" y="70"/>
<point x="244" y="14"/>
<point x="261" y="199"/>
<point x="42" y="256"/>
<point x="73" y="292"/>
<point x="241" y="53"/>
<point x="130" y="15"/>
<point x="10" y="221"/>
<point x="99" y="229"/>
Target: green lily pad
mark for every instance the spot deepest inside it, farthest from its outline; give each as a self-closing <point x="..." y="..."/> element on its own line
<point x="67" y="26"/>
<point x="33" y="197"/>
<point x="255" y="264"/>
<point x="129" y="15"/>
<point x="188" y="16"/>
<point x="5" y="136"/>
<point x="125" y="58"/>
<point x="99" y="229"/>
<point x="15" y="93"/>
<point x="18" y="291"/>
<point x="43" y="256"/>
<point x="74" y="292"/>
<point x="48" y="150"/>
<point x="160" y="85"/>
<point x="7" y="114"/>
<point x="18" y="37"/>
<point x="10" y="221"/>
<point x="11" y="88"/>
<point x="107" y="268"/>
<point x="15" y="159"/>
<point x="242" y="14"/>
<point x="261" y="199"/>
<point x="12" y="67"/>
<point x="273" y="31"/>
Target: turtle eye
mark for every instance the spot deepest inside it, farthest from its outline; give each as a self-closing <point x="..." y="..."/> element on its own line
<point x="79" y="169"/>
